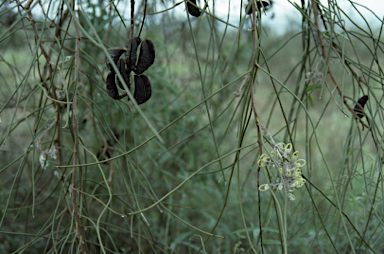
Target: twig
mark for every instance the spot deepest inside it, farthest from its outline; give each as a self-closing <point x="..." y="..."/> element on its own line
<point x="257" y="122"/>
<point x="132" y="17"/>
<point x="142" y="23"/>
<point x="238" y="94"/>
<point x="79" y="232"/>
<point x="37" y="38"/>
<point x="48" y="67"/>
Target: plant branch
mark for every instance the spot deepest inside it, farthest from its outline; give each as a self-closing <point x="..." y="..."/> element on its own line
<point x="132" y="17"/>
<point x="79" y="232"/>
<point x="259" y="136"/>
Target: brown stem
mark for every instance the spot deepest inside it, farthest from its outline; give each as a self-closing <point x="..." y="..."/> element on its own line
<point x="28" y="4"/>
<point x="132" y="17"/>
<point x="49" y="67"/>
<point x="142" y="23"/>
<point x="322" y="16"/>
<point x="79" y="232"/>
<point x="61" y="21"/>
<point x="37" y="38"/>
<point x="254" y="27"/>
<point x="258" y="168"/>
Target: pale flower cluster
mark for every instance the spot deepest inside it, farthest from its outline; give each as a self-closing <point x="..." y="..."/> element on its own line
<point x="289" y="166"/>
<point x="51" y="152"/>
<point x="315" y="76"/>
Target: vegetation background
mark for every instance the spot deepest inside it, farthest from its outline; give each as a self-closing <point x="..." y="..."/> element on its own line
<point x="83" y="173"/>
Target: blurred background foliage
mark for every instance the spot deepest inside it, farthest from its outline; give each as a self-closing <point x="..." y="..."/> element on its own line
<point x="179" y="174"/>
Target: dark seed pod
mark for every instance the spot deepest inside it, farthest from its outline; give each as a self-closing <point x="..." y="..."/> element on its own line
<point x="193" y="10"/>
<point x="115" y="55"/>
<point x="124" y="72"/>
<point x="359" y="107"/>
<point x="146" y="57"/>
<point x="259" y="5"/>
<point x="131" y="53"/>
<point x="112" y="88"/>
<point x="143" y="89"/>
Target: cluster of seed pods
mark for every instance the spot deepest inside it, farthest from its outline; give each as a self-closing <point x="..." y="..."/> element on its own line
<point x="132" y="63"/>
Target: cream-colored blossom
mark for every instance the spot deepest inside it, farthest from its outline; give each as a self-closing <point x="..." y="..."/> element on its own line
<point x="289" y="167"/>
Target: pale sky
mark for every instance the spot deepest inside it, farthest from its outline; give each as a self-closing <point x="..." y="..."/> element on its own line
<point x="285" y="13"/>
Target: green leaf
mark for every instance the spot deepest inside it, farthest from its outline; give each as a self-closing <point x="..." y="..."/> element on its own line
<point x="312" y="87"/>
<point x="310" y="101"/>
<point x="269" y="241"/>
